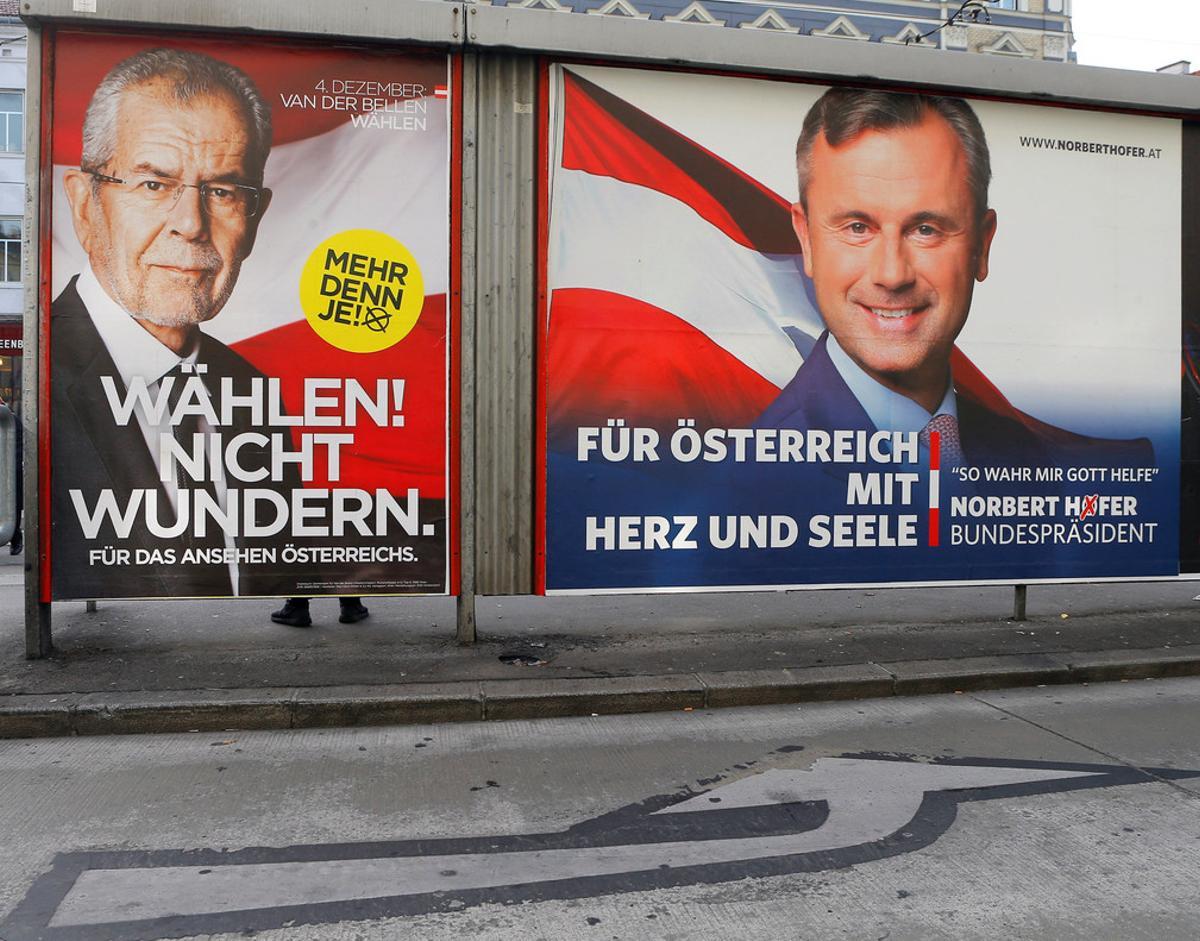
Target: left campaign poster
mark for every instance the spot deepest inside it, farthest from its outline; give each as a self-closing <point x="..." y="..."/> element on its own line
<point x="249" y="337"/>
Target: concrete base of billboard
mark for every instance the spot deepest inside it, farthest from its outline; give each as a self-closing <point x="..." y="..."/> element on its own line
<point x="133" y="667"/>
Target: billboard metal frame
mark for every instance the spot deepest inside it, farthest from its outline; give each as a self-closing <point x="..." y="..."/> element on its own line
<point x="501" y="48"/>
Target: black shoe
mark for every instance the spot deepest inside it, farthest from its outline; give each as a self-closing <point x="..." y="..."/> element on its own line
<point x="353" y="611"/>
<point x="16" y="543"/>
<point x="294" y="613"/>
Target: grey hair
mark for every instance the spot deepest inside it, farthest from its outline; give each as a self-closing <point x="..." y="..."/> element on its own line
<point x="844" y="113"/>
<point x="190" y="75"/>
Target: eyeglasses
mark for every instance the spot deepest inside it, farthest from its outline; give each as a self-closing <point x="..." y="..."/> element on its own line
<point x="220" y="200"/>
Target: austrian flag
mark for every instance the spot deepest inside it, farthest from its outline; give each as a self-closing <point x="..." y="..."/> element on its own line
<point x="674" y="276"/>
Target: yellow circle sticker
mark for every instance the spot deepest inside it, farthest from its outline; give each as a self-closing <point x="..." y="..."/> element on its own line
<point x="361" y="291"/>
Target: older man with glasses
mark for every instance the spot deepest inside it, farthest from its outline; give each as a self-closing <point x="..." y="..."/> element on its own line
<point x="166" y="203"/>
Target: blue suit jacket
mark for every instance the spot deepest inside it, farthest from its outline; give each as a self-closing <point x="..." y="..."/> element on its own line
<point x="818" y="397"/>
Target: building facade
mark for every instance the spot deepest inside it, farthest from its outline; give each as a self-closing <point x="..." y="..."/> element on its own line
<point x="12" y="196"/>
<point x="1030" y="29"/>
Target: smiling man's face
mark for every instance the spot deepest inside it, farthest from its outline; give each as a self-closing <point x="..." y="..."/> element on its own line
<point x="893" y="244"/>
<point x="174" y="267"/>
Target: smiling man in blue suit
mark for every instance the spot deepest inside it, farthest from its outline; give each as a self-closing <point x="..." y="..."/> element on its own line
<point x="895" y="228"/>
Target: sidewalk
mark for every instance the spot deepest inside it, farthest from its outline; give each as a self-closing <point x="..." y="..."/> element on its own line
<point x="170" y="666"/>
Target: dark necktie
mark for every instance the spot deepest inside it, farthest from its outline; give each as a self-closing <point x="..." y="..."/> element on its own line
<point x="201" y="578"/>
<point x="951" y="445"/>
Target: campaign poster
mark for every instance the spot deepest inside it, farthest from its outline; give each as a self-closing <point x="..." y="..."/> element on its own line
<point x="800" y="335"/>
<point x="249" y="325"/>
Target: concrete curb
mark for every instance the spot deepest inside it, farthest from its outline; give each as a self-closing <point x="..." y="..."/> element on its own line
<point x="37" y="716"/>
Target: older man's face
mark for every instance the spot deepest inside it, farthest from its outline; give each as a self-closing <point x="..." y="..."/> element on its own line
<point x="893" y="245"/>
<point x="173" y="266"/>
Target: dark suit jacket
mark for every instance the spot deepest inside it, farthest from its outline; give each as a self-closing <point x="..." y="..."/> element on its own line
<point x="818" y="397"/>
<point x="90" y="452"/>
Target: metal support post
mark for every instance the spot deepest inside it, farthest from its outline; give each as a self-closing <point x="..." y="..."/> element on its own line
<point x="1019" y="592"/>
<point x="466" y="498"/>
<point x="37" y="203"/>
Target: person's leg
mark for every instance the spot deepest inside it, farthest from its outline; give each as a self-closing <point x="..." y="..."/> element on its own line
<point x="294" y="613"/>
<point x="17" y="542"/>
<point x="353" y="610"/>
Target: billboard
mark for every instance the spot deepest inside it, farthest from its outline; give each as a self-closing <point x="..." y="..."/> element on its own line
<point x="249" y="337"/>
<point x="799" y="335"/>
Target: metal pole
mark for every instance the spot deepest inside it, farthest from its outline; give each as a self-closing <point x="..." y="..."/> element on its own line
<point x="37" y="612"/>
<point x="466" y="339"/>
<point x="1019" y="592"/>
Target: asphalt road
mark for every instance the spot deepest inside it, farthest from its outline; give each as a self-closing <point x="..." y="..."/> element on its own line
<point x="1065" y="812"/>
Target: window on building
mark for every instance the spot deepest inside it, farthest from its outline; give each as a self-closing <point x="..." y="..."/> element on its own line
<point x="12" y="121"/>
<point x="1008" y="4"/>
<point x="10" y="250"/>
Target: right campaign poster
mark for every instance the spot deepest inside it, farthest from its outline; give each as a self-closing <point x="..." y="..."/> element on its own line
<point x="808" y="335"/>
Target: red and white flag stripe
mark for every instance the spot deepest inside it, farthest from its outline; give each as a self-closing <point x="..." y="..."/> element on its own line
<point x="638" y="242"/>
<point x="674" y="276"/>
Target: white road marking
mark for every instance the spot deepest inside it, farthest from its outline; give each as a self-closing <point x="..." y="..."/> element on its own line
<point x="869" y="799"/>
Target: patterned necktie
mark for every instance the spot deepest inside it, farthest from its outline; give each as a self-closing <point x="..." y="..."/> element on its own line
<point x="951" y="445"/>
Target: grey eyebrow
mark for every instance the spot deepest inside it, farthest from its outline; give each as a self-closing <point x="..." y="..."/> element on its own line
<point x="921" y="218"/>
<point x="150" y="168"/>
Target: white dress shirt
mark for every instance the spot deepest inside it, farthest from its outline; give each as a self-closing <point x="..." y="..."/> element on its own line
<point x="888" y="410"/>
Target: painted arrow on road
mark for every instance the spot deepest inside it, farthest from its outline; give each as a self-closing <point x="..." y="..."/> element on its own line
<point x="838" y="812"/>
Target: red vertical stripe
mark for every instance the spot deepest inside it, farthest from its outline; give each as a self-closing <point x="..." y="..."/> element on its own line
<point x="935" y="464"/>
<point x="454" y="471"/>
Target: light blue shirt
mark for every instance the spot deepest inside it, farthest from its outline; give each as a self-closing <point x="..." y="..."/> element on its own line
<point x="888" y="410"/>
